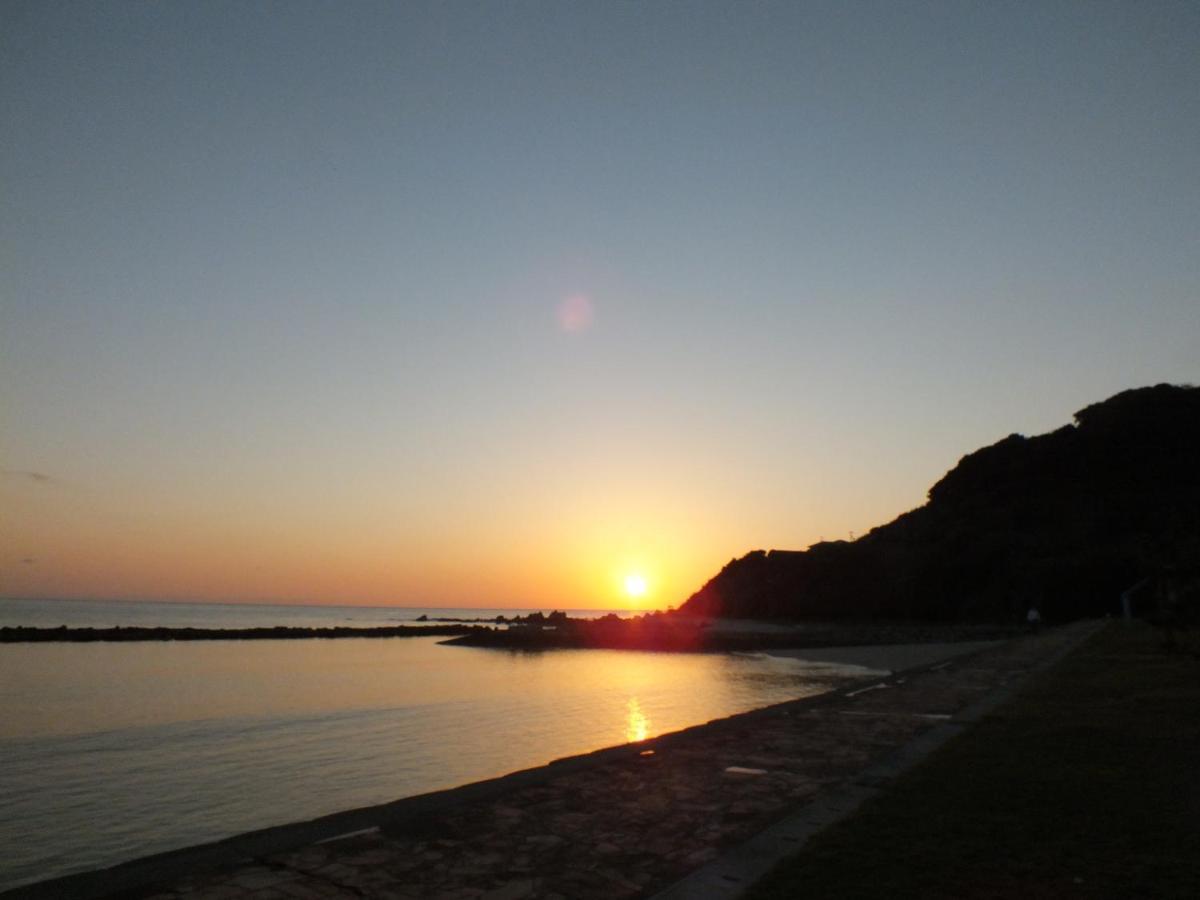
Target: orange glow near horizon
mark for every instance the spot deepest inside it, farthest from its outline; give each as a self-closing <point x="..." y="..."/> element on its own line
<point x="128" y="548"/>
<point x="553" y="540"/>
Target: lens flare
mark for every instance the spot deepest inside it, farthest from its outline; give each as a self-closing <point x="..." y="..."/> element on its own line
<point x="575" y="314"/>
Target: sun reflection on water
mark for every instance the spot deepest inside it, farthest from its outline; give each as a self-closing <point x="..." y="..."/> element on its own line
<point x="637" y="726"/>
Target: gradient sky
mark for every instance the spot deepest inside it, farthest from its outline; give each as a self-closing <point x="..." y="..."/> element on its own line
<point x="492" y="304"/>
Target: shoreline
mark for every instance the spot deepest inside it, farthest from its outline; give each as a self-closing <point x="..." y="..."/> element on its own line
<point x="684" y="635"/>
<point x="599" y="801"/>
<point x="888" y="658"/>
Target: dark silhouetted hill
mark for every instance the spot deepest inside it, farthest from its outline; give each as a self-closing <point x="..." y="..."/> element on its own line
<point x="1063" y="521"/>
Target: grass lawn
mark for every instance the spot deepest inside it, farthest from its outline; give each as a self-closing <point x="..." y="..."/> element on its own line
<point x="1086" y="785"/>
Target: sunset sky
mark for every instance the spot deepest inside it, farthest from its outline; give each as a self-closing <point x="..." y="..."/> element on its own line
<point x="505" y="304"/>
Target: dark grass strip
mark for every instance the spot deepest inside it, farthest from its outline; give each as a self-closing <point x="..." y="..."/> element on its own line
<point x="1086" y="785"/>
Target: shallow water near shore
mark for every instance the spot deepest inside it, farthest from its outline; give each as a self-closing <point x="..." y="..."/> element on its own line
<point x="115" y="751"/>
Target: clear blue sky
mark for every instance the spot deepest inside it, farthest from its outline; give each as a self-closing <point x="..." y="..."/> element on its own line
<point x="281" y="285"/>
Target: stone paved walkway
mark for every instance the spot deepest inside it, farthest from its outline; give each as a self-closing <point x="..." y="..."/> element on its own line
<point x="631" y="825"/>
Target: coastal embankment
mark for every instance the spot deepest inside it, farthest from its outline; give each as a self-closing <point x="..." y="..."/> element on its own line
<point x="627" y="821"/>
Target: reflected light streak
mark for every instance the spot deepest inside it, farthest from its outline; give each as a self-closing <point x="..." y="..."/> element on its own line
<point x="637" y="726"/>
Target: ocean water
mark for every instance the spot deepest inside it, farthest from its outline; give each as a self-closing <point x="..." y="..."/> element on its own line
<point x="111" y="613"/>
<point x="111" y="751"/>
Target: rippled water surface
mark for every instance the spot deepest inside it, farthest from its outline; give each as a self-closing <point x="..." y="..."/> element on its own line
<point x="113" y="751"/>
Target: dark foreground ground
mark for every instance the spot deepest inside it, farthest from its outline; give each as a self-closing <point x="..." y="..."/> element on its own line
<point x="1087" y="785"/>
<point x="621" y="823"/>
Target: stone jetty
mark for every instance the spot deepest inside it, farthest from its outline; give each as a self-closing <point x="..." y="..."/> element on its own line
<point x="21" y="634"/>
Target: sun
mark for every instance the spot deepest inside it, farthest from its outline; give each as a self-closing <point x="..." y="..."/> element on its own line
<point x="635" y="585"/>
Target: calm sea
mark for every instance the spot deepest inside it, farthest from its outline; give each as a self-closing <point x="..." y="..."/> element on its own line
<point x="109" y="614"/>
<point x="113" y="751"/>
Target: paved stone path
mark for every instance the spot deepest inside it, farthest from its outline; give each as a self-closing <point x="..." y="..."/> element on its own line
<point x="632" y="824"/>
